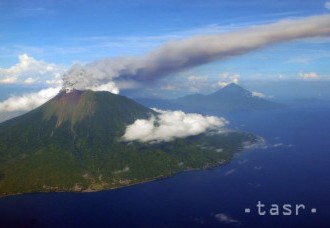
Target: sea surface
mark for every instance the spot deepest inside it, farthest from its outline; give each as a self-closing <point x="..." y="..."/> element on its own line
<point x="293" y="167"/>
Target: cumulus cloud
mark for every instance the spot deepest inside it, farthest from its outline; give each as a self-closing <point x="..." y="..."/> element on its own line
<point x="226" y="79"/>
<point x="309" y="76"/>
<point x="230" y="172"/>
<point x="29" y="80"/>
<point x="259" y="143"/>
<point x="28" y="101"/>
<point x="8" y="80"/>
<point x="109" y="87"/>
<point x="176" y="56"/>
<point x="258" y="94"/>
<point x="196" y="82"/>
<point x="56" y="80"/>
<point x="224" y="218"/>
<point x="29" y="70"/>
<point x="197" y="79"/>
<point x="169" y="125"/>
<point x="168" y="87"/>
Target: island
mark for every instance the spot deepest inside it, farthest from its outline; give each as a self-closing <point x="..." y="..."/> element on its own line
<point x="73" y="143"/>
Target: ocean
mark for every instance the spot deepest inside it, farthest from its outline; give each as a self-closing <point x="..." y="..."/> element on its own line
<point x="291" y="168"/>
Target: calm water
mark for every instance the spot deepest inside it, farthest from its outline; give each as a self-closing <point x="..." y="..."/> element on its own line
<point x="294" y="168"/>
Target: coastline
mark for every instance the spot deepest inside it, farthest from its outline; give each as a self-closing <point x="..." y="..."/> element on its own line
<point x="257" y="142"/>
<point x="206" y="167"/>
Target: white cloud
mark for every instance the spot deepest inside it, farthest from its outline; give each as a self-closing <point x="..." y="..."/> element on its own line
<point x="29" y="80"/>
<point x="195" y="83"/>
<point x="197" y="79"/>
<point x="194" y="89"/>
<point x="168" y="87"/>
<point x="230" y="172"/>
<point x="109" y="87"/>
<point x="224" y="218"/>
<point x="259" y="143"/>
<point x="327" y="5"/>
<point x="29" y="69"/>
<point x="226" y="79"/>
<point x="56" y="80"/>
<point x="309" y="76"/>
<point x="169" y="125"/>
<point x="258" y="94"/>
<point x="8" y="80"/>
<point x="28" y="101"/>
<point x="278" y="145"/>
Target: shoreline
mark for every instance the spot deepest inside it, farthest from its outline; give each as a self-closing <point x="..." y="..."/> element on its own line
<point x="221" y="163"/>
<point x="206" y="167"/>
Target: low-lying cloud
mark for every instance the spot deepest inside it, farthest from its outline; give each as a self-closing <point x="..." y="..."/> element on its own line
<point x="309" y="76"/>
<point x="169" y="125"/>
<point x="224" y="218"/>
<point x="258" y="94"/>
<point x="8" y="80"/>
<point x="28" y="101"/>
<point x="176" y="56"/>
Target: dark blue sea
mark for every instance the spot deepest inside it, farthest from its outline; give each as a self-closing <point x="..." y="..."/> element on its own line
<point x="293" y="167"/>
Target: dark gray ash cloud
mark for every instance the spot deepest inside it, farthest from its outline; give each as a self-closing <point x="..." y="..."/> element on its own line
<point x="176" y="56"/>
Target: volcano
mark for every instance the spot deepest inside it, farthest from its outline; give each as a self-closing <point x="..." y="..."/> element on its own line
<point x="73" y="143"/>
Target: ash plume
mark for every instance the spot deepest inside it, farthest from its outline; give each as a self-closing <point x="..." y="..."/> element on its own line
<point x="176" y="56"/>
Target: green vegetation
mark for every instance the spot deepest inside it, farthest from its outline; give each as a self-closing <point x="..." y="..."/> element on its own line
<point x="72" y="143"/>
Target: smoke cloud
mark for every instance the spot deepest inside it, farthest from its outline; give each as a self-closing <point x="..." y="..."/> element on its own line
<point x="176" y="56"/>
<point x="169" y="125"/>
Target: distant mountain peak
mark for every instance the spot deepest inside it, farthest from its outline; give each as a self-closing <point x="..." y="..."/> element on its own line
<point x="233" y="86"/>
<point x="232" y="97"/>
<point x="232" y="89"/>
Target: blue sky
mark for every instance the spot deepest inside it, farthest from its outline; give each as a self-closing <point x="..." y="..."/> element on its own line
<point x="68" y="31"/>
<point x="61" y="33"/>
